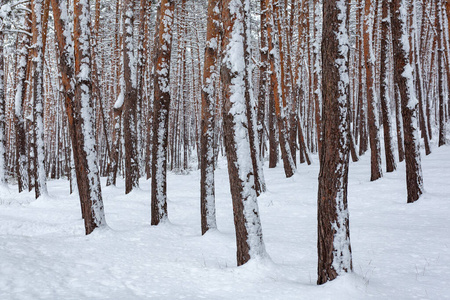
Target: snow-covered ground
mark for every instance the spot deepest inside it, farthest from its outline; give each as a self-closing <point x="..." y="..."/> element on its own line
<point x="400" y="251"/>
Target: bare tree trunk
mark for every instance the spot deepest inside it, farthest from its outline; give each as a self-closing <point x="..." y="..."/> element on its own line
<point x="404" y="79"/>
<point x="334" y="250"/>
<point x="249" y="240"/>
<point x="161" y="111"/>
<point x="210" y="74"/>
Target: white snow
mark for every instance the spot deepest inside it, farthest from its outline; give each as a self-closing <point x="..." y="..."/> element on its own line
<point x="400" y="251"/>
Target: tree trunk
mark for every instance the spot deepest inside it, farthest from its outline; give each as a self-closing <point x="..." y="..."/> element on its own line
<point x="210" y="74"/>
<point x="20" y="97"/>
<point x="40" y="187"/>
<point x="130" y="100"/>
<point x="161" y="111"/>
<point x="384" y="88"/>
<point x="369" y="57"/>
<point x="334" y="250"/>
<point x="403" y="72"/>
<point x="234" y="71"/>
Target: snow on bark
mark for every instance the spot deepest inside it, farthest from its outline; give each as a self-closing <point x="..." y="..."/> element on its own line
<point x="242" y="183"/>
<point x="161" y="112"/>
<point x="94" y="214"/>
<point x="210" y="75"/>
<point x="38" y="89"/>
<point x="404" y="74"/>
<point x="2" y="111"/>
<point x="334" y="250"/>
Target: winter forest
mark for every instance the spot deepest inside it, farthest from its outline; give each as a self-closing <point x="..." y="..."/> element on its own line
<point x="220" y="149"/>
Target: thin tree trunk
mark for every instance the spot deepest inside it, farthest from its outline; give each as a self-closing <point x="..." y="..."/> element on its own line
<point x="161" y="111"/>
<point x="210" y="74"/>
<point x="384" y="88"/>
<point x="38" y="100"/>
<point x="404" y="79"/>
<point x="369" y="57"/>
<point x="130" y="100"/>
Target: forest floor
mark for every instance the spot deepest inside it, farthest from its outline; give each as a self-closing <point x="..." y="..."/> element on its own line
<point x="400" y="251"/>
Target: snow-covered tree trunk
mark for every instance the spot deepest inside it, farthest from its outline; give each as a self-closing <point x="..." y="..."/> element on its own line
<point x="372" y="108"/>
<point x="130" y="99"/>
<point x="403" y="74"/>
<point x="38" y="100"/>
<point x="249" y="240"/>
<point x="2" y="110"/>
<point x="260" y="184"/>
<point x="276" y="65"/>
<point x="161" y="111"/>
<point x="89" y="185"/>
<point x="210" y="74"/>
<point x="263" y="75"/>
<point x="334" y="250"/>
<point x="20" y="96"/>
<point x="384" y="87"/>
<point x="440" y="67"/>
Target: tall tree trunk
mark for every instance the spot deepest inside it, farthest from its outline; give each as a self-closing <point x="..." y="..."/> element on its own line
<point x="161" y="111"/>
<point x="20" y="97"/>
<point x="234" y="71"/>
<point x="38" y="100"/>
<point x="334" y="250"/>
<point x="369" y="57"/>
<point x="384" y="87"/>
<point x="403" y="72"/>
<point x="276" y="65"/>
<point x="440" y="67"/>
<point x="210" y="74"/>
<point x="130" y="100"/>
<point x="2" y="112"/>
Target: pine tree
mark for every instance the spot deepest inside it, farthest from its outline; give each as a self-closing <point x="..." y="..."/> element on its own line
<point x="334" y="250"/>
<point x="403" y="74"/>
<point x="234" y="72"/>
<point x="161" y="110"/>
<point x="210" y="74"/>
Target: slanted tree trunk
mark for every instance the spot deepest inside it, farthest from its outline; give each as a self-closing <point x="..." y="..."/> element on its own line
<point x="249" y="240"/>
<point x="403" y="74"/>
<point x="334" y="250"/>
<point x="77" y="88"/>
<point x="210" y="74"/>
<point x="40" y="187"/>
<point x="130" y="100"/>
<point x="161" y="111"/>
<point x="384" y="87"/>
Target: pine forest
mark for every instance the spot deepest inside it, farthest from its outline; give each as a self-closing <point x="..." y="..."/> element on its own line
<point x="224" y="149"/>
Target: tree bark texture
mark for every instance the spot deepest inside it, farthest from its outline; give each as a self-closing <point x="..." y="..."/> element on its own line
<point x="161" y="111"/>
<point x="249" y="240"/>
<point x="403" y="74"/>
<point x="334" y="250"/>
